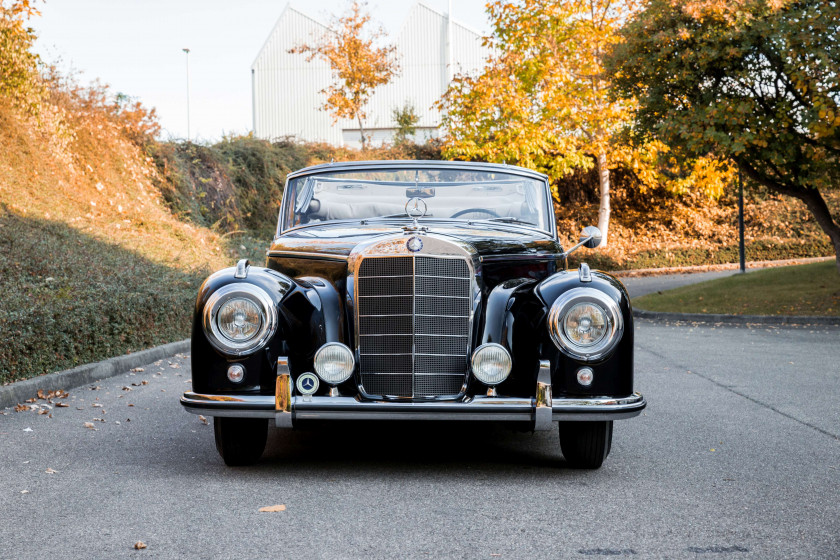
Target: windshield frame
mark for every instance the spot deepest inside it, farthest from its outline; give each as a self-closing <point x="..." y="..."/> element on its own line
<point x="330" y="168"/>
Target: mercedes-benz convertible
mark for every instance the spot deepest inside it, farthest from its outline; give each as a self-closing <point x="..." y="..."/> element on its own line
<point x="415" y="290"/>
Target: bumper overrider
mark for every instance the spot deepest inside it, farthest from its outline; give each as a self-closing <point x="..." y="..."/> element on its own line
<point x="541" y="410"/>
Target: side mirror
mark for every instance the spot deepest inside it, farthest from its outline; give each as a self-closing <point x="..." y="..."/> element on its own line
<point x="590" y="237"/>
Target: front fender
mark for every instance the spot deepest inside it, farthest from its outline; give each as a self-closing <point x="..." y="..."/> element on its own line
<point x="613" y="374"/>
<point x="209" y="365"/>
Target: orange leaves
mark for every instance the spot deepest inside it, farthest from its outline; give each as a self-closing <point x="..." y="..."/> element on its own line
<point x="358" y="65"/>
<point x="273" y="509"/>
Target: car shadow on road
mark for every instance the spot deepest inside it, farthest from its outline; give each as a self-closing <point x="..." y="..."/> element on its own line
<point x="402" y="446"/>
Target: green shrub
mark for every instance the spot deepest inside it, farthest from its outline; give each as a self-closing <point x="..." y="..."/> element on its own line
<point x="70" y="299"/>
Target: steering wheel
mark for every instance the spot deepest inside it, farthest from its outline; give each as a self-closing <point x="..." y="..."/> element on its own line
<point x="475" y="211"/>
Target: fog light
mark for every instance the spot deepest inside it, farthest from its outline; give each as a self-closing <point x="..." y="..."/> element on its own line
<point x="491" y="363"/>
<point x="585" y="376"/>
<point x="236" y="373"/>
<point x="334" y="363"/>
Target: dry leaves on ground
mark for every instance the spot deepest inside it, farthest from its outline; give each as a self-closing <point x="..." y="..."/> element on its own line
<point x="90" y="426"/>
<point x="203" y="419"/>
<point x="272" y="509"/>
<point x="139" y="545"/>
<point x="51" y="471"/>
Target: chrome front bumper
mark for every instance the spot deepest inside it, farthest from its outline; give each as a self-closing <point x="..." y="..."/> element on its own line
<point x="541" y="410"/>
<point x="352" y="408"/>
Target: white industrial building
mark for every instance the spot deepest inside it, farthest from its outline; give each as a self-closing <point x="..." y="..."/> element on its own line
<point x="430" y="48"/>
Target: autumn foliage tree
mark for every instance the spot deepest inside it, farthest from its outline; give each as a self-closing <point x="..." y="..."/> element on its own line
<point x="753" y="81"/>
<point x="542" y="101"/>
<point x="358" y="65"/>
<point x="19" y="78"/>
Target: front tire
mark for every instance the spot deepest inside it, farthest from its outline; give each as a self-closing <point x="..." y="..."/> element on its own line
<point x="585" y="445"/>
<point x="240" y="441"/>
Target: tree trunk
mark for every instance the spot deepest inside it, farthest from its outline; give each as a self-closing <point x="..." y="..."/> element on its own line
<point x="816" y="204"/>
<point x="361" y="129"/>
<point x="812" y="199"/>
<point x="604" y="207"/>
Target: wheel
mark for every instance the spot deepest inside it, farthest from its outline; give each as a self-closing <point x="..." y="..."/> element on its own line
<point x="240" y="441"/>
<point x="585" y="445"/>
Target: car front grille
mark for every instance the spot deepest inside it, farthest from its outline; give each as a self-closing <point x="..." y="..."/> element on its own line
<point x="413" y="325"/>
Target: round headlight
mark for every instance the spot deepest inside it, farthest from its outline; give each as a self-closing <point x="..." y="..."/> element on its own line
<point x="585" y="324"/>
<point x="491" y="363"/>
<point x="239" y="319"/>
<point x="334" y="363"/>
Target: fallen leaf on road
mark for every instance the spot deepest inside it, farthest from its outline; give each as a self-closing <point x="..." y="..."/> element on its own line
<point x="43" y="411"/>
<point x="272" y="509"/>
<point x="24" y="491"/>
<point x="61" y="405"/>
<point x="96" y="405"/>
<point x="51" y="471"/>
<point x="27" y="429"/>
<point x="203" y="419"/>
<point x="90" y="426"/>
<point x="33" y="399"/>
<point x="94" y="387"/>
<point x="129" y="404"/>
<point x="126" y="388"/>
<point x="21" y="407"/>
<point x="144" y="382"/>
<point x="137" y="369"/>
<point x="174" y="366"/>
<point x="139" y="545"/>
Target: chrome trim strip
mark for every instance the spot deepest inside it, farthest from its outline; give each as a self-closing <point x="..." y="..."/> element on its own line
<point x="418" y="164"/>
<point x="353" y="408"/>
<point x="521" y="257"/>
<point x="283" y="394"/>
<point x="242" y="269"/>
<point x="305" y="255"/>
<point x="543" y="409"/>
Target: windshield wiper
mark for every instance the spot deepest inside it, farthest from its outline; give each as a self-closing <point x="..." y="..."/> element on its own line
<point x="507" y="220"/>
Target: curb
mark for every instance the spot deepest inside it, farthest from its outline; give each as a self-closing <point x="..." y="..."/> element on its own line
<point x="713" y="318"/>
<point x="19" y="391"/>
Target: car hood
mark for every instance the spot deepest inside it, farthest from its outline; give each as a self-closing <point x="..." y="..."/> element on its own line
<point x="339" y="240"/>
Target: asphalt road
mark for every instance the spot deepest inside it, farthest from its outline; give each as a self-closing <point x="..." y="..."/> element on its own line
<point x="737" y="456"/>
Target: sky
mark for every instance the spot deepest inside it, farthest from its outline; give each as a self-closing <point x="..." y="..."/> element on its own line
<point x="135" y="46"/>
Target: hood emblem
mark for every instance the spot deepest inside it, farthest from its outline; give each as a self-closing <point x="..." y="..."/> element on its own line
<point x="414" y="244"/>
<point x="416" y="207"/>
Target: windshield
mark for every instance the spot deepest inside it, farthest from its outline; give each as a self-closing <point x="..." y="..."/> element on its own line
<point x="448" y="194"/>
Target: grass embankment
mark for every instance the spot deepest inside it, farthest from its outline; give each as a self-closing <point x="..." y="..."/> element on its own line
<point x="805" y="290"/>
<point x="92" y="262"/>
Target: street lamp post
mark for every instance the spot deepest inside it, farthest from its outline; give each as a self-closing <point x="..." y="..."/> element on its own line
<point x="187" y="51"/>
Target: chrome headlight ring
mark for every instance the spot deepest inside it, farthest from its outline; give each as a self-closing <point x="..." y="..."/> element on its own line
<point x="614" y="324"/>
<point x="268" y="318"/>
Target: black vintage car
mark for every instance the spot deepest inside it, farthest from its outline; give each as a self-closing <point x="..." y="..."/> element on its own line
<point x="416" y="290"/>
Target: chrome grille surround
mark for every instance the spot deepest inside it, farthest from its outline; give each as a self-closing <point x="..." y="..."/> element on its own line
<point x="413" y="314"/>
